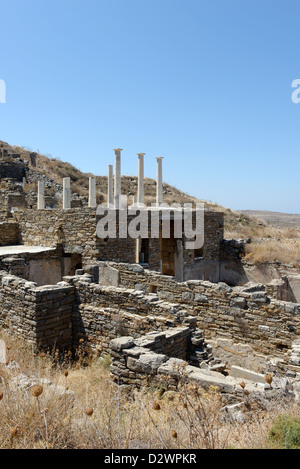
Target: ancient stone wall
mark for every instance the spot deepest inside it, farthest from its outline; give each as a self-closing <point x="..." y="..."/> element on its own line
<point x="41" y="315"/>
<point x="46" y="266"/>
<point x="101" y="313"/>
<point x="213" y="234"/>
<point x="9" y="234"/>
<point x="12" y="167"/>
<point x="244" y="315"/>
<point x="135" y="364"/>
<point x="80" y="308"/>
<point x="135" y="361"/>
<point x="74" y="229"/>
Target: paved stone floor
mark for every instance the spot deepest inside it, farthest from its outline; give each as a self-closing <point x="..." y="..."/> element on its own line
<point x="10" y="250"/>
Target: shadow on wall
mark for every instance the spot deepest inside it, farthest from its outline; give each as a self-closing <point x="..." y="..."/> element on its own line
<point x="52" y="271"/>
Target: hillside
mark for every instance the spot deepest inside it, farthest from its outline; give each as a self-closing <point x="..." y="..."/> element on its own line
<point x="277" y="219"/>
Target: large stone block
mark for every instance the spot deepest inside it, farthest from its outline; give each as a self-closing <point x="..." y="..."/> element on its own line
<point x="108" y="276"/>
<point x="121" y="343"/>
<point x="147" y="362"/>
<point x="238" y="372"/>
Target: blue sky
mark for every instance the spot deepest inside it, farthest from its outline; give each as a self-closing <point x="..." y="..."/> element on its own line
<point x="205" y="84"/>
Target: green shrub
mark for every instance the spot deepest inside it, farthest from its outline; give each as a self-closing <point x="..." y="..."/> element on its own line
<point x="285" y="432"/>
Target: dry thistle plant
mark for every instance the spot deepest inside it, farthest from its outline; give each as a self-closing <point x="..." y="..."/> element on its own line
<point x="89" y="411"/>
<point x="36" y="390"/>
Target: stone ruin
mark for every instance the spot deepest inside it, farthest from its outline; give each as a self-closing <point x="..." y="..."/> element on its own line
<point x="159" y="309"/>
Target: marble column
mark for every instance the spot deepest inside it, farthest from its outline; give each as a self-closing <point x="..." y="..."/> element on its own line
<point x="141" y="179"/>
<point x="159" y="184"/>
<point x="110" y="187"/>
<point x="66" y="193"/>
<point x="41" y="196"/>
<point x="117" y="185"/>
<point x="92" y="193"/>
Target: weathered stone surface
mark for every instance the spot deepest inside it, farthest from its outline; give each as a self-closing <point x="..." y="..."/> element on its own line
<point x="121" y="343"/>
<point x="238" y="372"/>
<point x="187" y="296"/>
<point x="234" y="412"/>
<point x="200" y="298"/>
<point x="206" y="379"/>
<point x="173" y="367"/>
<point x="238" y="302"/>
<point x="136" y="268"/>
<point x="147" y="362"/>
<point x="108" y="275"/>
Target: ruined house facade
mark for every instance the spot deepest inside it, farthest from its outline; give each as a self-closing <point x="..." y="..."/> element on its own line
<point x="61" y="282"/>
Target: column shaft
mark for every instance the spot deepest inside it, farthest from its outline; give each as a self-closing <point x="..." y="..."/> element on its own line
<point x="92" y="193"/>
<point x="110" y="188"/>
<point x="141" y="192"/>
<point x="66" y="193"/>
<point x="41" y="196"/>
<point x="117" y="196"/>
<point x="159" y="186"/>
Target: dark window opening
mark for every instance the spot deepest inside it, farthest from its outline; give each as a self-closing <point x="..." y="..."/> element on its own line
<point x="198" y="253"/>
<point x="153" y="288"/>
<point x="144" y="254"/>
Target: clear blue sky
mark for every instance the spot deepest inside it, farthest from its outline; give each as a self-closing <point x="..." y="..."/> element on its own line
<point x="204" y="83"/>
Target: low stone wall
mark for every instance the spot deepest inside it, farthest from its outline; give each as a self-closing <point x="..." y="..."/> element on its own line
<point x="45" y="267"/>
<point x="136" y="364"/>
<point x="41" y="315"/>
<point x="9" y="234"/>
<point x="143" y="362"/>
<point x="101" y="313"/>
<point x="135" y="361"/>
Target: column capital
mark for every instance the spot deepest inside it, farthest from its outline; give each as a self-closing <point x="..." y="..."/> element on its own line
<point x="118" y="149"/>
<point x="141" y="154"/>
<point x="159" y="157"/>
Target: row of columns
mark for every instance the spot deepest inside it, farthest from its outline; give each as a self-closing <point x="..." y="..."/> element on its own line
<point x="114" y="185"/>
<point x="115" y="199"/>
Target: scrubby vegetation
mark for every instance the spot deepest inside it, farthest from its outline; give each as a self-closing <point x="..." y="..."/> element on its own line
<point x="285" y="432"/>
<point x="46" y="405"/>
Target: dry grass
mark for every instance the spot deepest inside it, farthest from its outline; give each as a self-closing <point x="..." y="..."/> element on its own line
<point x="85" y="409"/>
<point x="268" y="243"/>
<point x="285" y="251"/>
